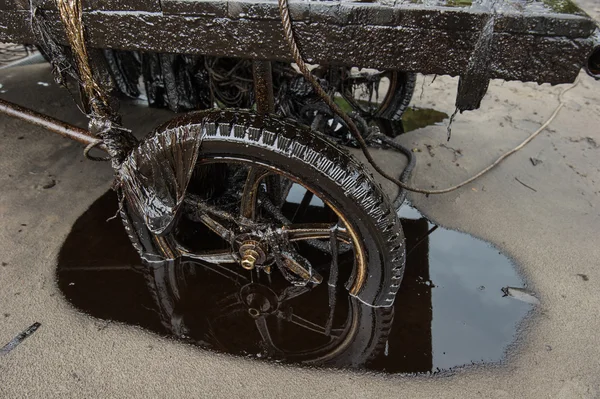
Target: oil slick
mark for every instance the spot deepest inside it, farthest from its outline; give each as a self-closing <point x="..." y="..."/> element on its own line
<point x="450" y="310"/>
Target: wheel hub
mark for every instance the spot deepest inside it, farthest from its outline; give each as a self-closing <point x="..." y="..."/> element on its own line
<point x="249" y="258"/>
<point x="253" y="253"/>
<point x="259" y="300"/>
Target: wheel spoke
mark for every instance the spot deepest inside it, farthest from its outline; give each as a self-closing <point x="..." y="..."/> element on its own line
<point x="312" y="231"/>
<point x="370" y="82"/>
<point x="217" y="256"/>
<point x="301" y="210"/>
<point x="227" y="301"/>
<point x="309" y="325"/>
<point x="195" y="205"/>
<point x="358" y="80"/>
<point x="216" y="227"/>
<point x="275" y="212"/>
<point x="277" y="188"/>
<point x="199" y="211"/>
<point x="250" y="193"/>
<point x="283" y="268"/>
<point x="286" y="186"/>
<point x="300" y="267"/>
<point x="227" y="306"/>
<point x="263" y="329"/>
<point x="349" y="97"/>
<point x="231" y="311"/>
<point x="292" y="292"/>
<point x="213" y="260"/>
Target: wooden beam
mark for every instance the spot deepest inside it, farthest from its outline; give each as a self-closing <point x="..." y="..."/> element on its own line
<point x="526" y="47"/>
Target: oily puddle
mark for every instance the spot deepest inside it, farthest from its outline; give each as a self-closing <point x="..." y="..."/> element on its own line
<point x="450" y="311"/>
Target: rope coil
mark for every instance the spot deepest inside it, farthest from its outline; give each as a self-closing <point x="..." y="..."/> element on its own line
<point x="104" y="121"/>
<point x="71" y="16"/>
<point x="90" y="147"/>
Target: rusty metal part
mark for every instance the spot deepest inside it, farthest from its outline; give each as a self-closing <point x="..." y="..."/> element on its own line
<point x="263" y="86"/>
<point x="54" y="125"/>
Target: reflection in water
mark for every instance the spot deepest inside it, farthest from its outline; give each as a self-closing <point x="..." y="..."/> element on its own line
<point x="412" y="119"/>
<point x="417" y="118"/>
<point x="449" y="311"/>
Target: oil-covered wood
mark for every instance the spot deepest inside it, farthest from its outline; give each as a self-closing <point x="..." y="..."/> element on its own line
<point x="534" y="43"/>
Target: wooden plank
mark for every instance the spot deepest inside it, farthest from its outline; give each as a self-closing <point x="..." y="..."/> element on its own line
<point x="533" y="21"/>
<point x="88" y="5"/>
<point x="122" y="5"/>
<point x="526" y="57"/>
<point x="529" y="21"/>
<point x="14" y="5"/>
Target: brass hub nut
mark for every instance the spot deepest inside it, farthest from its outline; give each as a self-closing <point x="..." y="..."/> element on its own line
<point x="249" y="259"/>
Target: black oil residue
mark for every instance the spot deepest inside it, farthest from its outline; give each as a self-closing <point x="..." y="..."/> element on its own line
<point x="449" y="312"/>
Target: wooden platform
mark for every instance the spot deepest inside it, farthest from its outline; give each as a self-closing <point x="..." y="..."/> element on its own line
<point x="542" y="41"/>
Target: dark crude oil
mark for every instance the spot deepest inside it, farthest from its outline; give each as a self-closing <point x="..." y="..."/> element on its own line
<point x="449" y="312"/>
